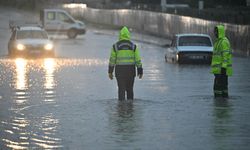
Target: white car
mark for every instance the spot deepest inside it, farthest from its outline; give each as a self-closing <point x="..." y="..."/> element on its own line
<point x="190" y="48"/>
<point x="30" y="41"/>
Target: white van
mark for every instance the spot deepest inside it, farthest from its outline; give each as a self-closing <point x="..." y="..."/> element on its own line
<point x="57" y="21"/>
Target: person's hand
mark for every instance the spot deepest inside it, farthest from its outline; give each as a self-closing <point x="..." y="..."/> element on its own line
<point x="140" y="72"/>
<point x="110" y="76"/>
<point x="223" y="71"/>
<point x="140" y="76"/>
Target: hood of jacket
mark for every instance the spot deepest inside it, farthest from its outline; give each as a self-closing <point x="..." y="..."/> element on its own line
<point x="221" y="31"/>
<point x="124" y="34"/>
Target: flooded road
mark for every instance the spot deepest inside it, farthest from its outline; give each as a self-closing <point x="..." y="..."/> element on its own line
<point x="68" y="102"/>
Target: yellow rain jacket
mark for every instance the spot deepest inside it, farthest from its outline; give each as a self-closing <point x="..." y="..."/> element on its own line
<point x="125" y="56"/>
<point x="222" y="53"/>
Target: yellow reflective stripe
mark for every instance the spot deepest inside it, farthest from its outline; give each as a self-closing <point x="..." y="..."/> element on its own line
<point x="217" y="53"/>
<point x="226" y="51"/>
<point x="112" y="59"/>
<point x="125" y="63"/>
<point x="125" y="58"/>
<point x="216" y="65"/>
<point x="217" y="45"/>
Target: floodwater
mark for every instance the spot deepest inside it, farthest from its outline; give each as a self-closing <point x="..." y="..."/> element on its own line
<point x="68" y="102"/>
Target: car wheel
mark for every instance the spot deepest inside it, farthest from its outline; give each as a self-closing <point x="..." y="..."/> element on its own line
<point x="72" y="34"/>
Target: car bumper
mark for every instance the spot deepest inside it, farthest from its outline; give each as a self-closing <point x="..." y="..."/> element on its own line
<point x="194" y="57"/>
<point x="33" y="53"/>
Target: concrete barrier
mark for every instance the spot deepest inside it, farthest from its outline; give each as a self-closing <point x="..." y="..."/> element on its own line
<point x="163" y="25"/>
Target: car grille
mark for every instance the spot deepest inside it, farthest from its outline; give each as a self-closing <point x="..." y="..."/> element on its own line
<point x="204" y="57"/>
<point x="34" y="47"/>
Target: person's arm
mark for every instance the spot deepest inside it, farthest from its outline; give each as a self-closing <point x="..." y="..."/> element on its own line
<point x="138" y="63"/>
<point x="112" y="62"/>
<point x="226" y="52"/>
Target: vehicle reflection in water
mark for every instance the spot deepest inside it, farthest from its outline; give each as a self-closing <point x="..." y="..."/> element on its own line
<point x="31" y="124"/>
<point x="49" y="84"/>
<point x="20" y="79"/>
<point x="49" y="67"/>
<point x="21" y="70"/>
<point x="30" y="121"/>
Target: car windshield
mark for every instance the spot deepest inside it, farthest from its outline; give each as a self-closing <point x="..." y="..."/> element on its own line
<point x="31" y="34"/>
<point x="194" y="41"/>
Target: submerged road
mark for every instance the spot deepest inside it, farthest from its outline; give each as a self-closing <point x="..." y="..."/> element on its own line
<point x="68" y="102"/>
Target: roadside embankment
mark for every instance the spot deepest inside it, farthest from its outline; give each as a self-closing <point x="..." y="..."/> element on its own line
<point x="161" y="24"/>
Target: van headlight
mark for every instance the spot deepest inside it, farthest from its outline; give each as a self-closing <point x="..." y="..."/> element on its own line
<point x="48" y="47"/>
<point x="81" y="24"/>
<point x="20" y="47"/>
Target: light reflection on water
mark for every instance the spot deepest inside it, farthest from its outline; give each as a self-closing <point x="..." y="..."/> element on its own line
<point x="31" y="122"/>
<point x="21" y="70"/>
<point x="22" y="130"/>
<point x="49" y="67"/>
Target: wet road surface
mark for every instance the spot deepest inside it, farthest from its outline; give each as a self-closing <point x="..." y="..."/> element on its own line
<point x="68" y="102"/>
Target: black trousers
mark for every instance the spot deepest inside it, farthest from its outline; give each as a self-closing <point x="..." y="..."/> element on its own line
<point x="221" y="85"/>
<point x="125" y="85"/>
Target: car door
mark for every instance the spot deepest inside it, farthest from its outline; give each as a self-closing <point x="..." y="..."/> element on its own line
<point x="51" y="23"/>
<point x="65" y="22"/>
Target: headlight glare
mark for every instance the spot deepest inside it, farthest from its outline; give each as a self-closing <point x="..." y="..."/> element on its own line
<point x="20" y="47"/>
<point x="48" y="47"/>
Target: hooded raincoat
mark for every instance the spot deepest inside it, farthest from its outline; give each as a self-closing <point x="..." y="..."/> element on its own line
<point x="222" y="53"/>
<point x="125" y="56"/>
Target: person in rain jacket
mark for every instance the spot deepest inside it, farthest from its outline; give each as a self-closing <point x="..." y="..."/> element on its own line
<point x="125" y="58"/>
<point x="221" y="65"/>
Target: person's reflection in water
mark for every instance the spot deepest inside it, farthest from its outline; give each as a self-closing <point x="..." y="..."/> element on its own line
<point x="125" y="109"/>
<point x="124" y="123"/>
<point x="222" y="123"/>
